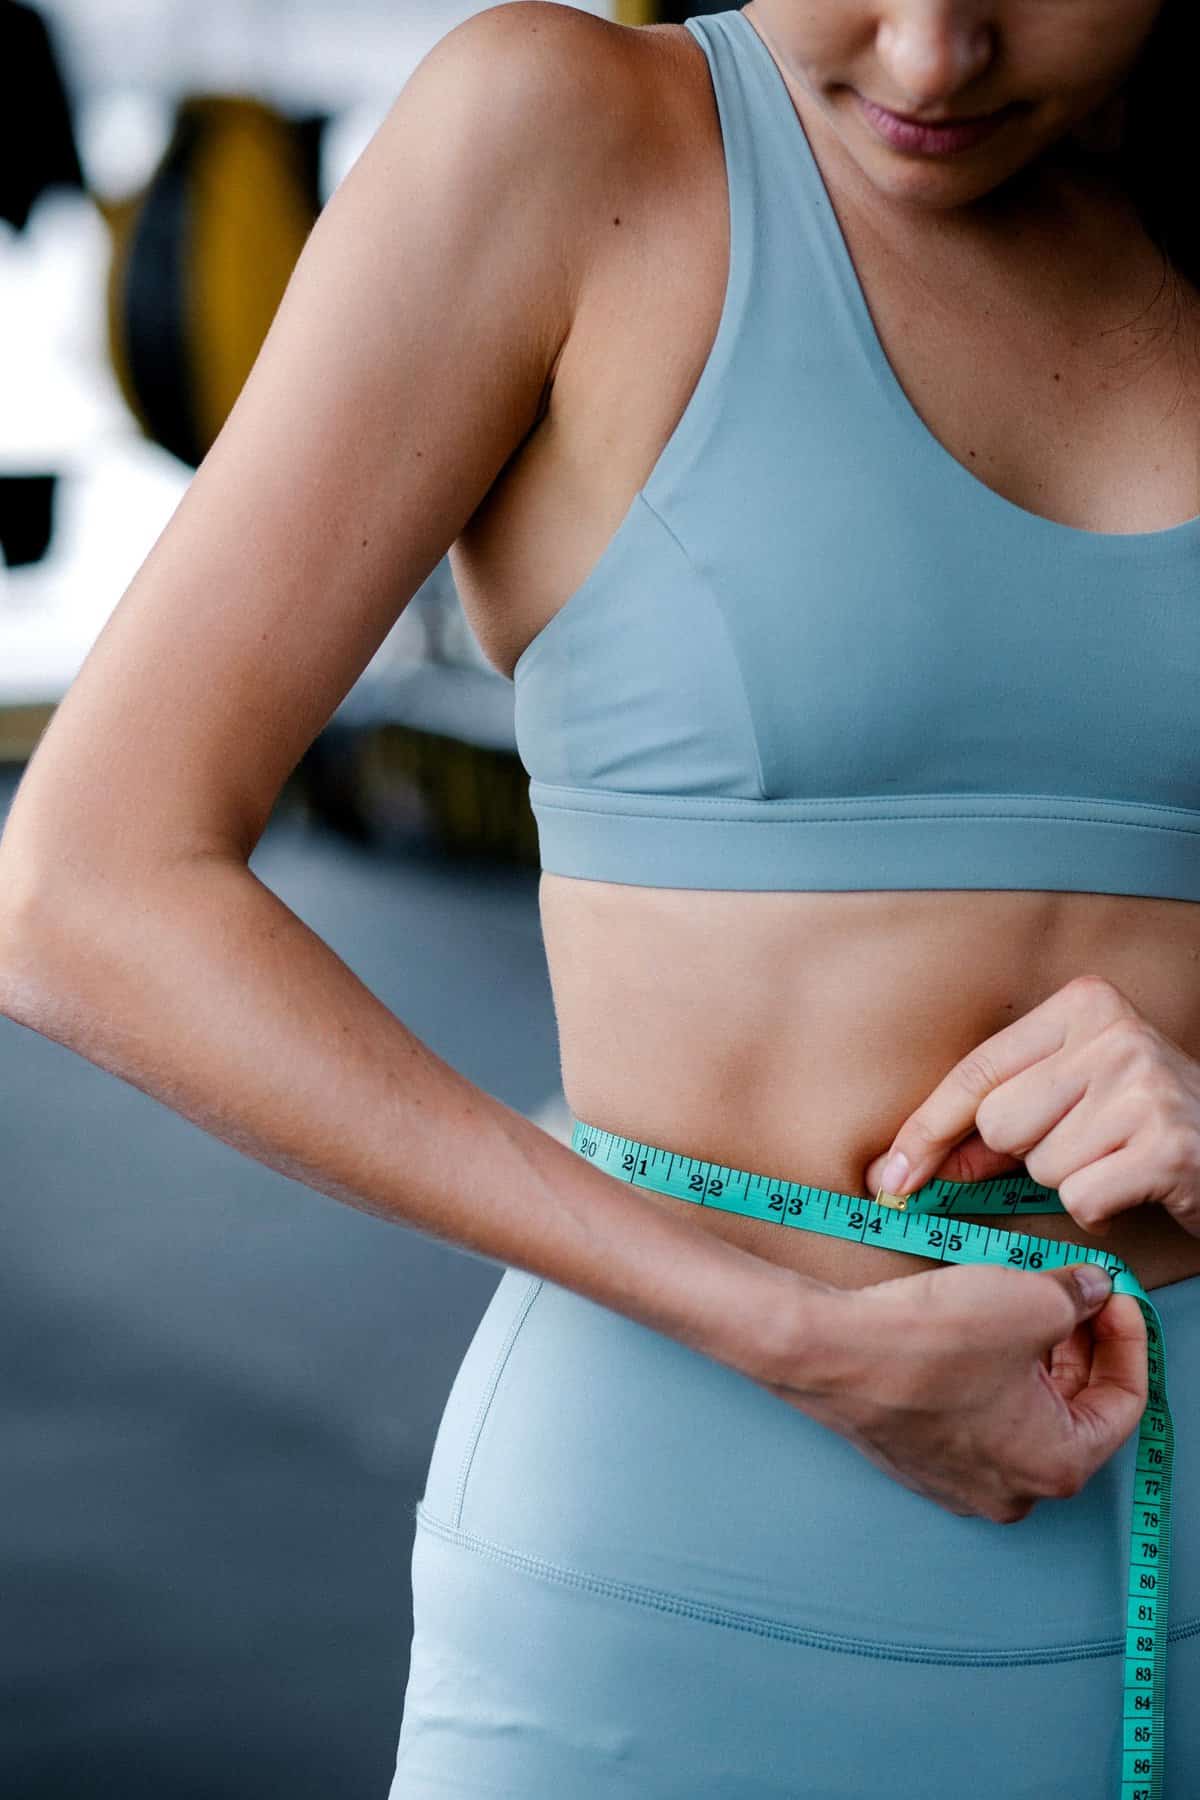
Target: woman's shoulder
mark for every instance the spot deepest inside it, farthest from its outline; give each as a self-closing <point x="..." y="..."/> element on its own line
<point x="579" y="57"/>
<point x="599" y="118"/>
<point x="588" y="85"/>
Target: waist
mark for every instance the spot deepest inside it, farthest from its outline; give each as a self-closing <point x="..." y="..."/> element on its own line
<point x="1157" y="1250"/>
<point x="792" y="1034"/>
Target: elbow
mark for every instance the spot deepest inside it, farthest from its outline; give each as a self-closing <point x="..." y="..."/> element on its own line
<point x="32" y="921"/>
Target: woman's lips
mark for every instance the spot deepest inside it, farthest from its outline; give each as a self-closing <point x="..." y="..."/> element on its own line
<point x="930" y="140"/>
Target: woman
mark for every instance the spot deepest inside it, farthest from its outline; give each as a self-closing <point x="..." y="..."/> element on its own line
<point x="868" y="808"/>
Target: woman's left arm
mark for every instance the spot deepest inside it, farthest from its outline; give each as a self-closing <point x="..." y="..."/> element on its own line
<point x="1085" y="1093"/>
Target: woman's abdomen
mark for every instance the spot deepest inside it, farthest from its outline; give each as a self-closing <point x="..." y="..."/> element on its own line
<point x="791" y="1034"/>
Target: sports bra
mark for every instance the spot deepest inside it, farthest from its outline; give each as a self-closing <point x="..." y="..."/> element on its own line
<point x="819" y="653"/>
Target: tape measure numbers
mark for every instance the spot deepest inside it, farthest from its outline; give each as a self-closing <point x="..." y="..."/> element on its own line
<point x="923" y="1224"/>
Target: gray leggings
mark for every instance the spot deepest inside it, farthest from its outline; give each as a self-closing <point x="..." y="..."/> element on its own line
<point x="638" y="1573"/>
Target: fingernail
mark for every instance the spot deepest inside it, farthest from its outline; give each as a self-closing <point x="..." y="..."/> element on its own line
<point x="1094" y="1283"/>
<point x="895" y="1170"/>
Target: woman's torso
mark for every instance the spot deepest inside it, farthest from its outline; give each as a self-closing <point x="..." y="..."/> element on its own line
<point x="792" y="1032"/>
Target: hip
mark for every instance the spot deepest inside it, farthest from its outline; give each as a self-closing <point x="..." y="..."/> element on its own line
<point x="596" y="1450"/>
<point x="637" y="1572"/>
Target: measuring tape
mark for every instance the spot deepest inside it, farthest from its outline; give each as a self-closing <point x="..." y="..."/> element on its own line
<point x="923" y="1224"/>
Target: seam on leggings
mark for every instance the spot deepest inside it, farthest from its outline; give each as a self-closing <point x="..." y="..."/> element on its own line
<point x="662" y="1600"/>
<point x="485" y="1401"/>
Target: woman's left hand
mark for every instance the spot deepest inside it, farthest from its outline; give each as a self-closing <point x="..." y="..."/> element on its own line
<point x="1085" y="1093"/>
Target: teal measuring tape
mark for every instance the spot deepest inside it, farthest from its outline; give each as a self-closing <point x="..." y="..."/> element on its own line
<point x="923" y="1224"/>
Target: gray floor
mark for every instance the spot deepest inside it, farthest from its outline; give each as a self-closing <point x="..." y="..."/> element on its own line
<point x="219" y="1389"/>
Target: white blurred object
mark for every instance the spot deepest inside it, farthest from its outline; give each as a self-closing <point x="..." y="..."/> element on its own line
<point x="303" y="54"/>
<point x="430" y="673"/>
<point x="59" y="395"/>
<point x="450" y="638"/>
<point x="555" y="1116"/>
<point x="61" y="409"/>
<point x="107" y="516"/>
<point x="122" y="133"/>
<point x="433" y="628"/>
<point x="345" y="138"/>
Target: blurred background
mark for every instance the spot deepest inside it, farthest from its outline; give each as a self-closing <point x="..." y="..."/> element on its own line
<point x="218" y="1388"/>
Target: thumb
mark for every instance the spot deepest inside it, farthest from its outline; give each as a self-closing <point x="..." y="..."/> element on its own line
<point x="1107" y="1409"/>
<point x="1087" y="1285"/>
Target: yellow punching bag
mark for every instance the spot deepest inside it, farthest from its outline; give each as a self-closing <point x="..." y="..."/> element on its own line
<point x="200" y="262"/>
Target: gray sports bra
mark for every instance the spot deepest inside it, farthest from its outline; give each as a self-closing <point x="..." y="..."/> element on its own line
<point x="819" y="653"/>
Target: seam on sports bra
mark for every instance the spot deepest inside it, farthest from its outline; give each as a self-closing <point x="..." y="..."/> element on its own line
<point x="711" y="591"/>
<point x="690" y="434"/>
<point x="546" y="790"/>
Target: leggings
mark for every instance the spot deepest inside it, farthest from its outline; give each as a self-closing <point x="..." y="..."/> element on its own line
<point x="636" y="1572"/>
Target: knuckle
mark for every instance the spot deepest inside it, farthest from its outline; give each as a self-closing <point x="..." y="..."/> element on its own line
<point x="1160" y="1113"/>
<point x="1178" y="1146"/>
<point x="1064" y="1485"/>
<point x="1099" y="994"/>
<point x="978" y="1071"/>
<point x="1041" y="1164"/>
<point x="1085" y="1212"/>
<point x="1012" y="1512"/>
<point x="1127" y="1039"/>
<point x="989" y="1117"/>
<point x="914" y="1137"/>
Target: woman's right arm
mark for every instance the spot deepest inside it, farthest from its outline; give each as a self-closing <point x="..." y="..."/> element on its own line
<point x="404" y="366"/>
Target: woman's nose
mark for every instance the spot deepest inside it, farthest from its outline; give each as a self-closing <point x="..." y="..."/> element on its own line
<point x="931" y="50"/>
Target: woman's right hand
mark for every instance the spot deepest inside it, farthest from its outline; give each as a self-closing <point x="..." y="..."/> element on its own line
<point x="984" y="1388"/>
